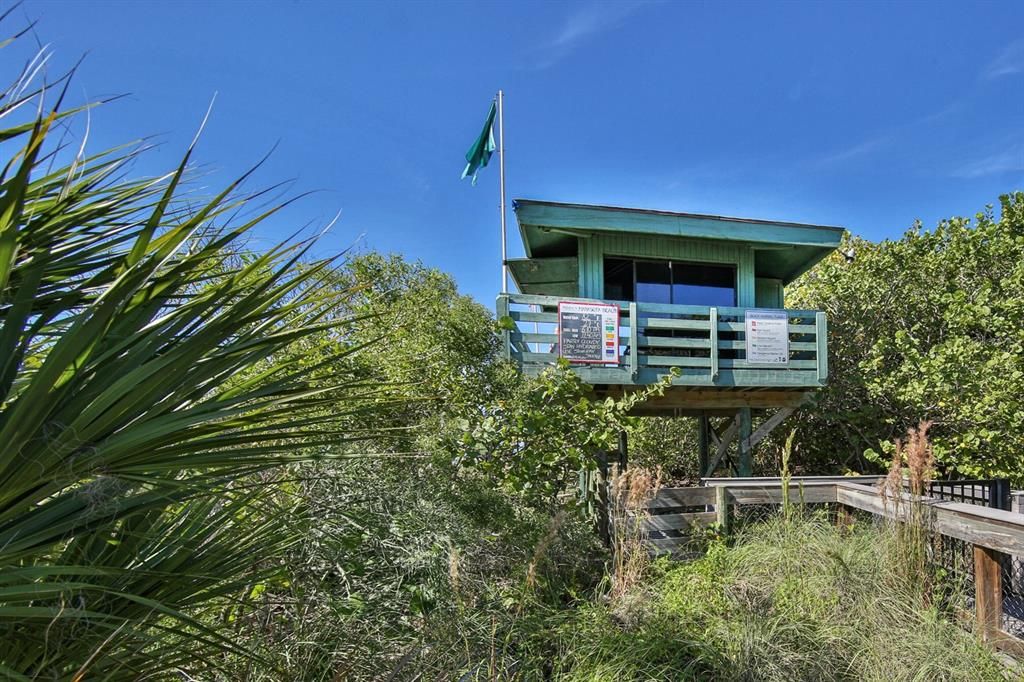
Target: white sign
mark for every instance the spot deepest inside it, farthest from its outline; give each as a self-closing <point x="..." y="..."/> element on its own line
<point x="767" y="337"/>
<point x="588" y="332"/>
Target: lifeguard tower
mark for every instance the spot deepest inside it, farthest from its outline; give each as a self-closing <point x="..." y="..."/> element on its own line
<point x="625" y="295"/>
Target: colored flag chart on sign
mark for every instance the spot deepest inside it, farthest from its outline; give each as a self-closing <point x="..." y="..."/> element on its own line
<point x="588" y="333"/>
<point x="767" y="334"/>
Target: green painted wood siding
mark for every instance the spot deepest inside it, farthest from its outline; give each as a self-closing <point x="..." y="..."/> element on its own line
<point x="594" y="249"/>
<point x="769" y="293"/>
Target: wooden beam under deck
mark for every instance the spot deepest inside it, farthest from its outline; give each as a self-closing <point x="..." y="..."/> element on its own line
<point x="679" y="402"/>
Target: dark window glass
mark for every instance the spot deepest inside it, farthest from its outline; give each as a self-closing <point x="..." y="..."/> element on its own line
<point x="699" y="284"/>
<point x="669" y="282"/>
<point x="618" y="279"/>
<point x="653" y="281"/>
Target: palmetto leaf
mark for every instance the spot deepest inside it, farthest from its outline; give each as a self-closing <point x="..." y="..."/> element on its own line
<point x="143" y="372"/>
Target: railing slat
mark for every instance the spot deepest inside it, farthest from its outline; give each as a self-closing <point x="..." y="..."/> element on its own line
<point x="672" y="361"/>
<point x="679" y="521"/>
<point x="675" y="498"/>
<point x="743" y="364"/>
<point x="665" y="323"/>
<point x="660" y="342"/>
<point x="526" y="316"/>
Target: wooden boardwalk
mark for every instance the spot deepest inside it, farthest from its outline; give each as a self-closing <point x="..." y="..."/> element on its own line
<point x="993" y="535"/>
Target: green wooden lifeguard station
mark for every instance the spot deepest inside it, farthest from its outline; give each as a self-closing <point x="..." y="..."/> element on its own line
<point x="626" y="295"/>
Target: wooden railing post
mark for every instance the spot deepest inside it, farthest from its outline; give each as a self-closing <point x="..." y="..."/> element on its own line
<point x="501" y="309"/>
<point x="713" y="319"/>
<point x="821" y="337"/>
<point x="722" y="508"/>
<point x="634" y="351"/>
<point x="602" y="502"/>
<point x="988" y="592"/>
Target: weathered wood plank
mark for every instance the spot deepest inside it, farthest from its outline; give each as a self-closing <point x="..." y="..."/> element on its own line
<point x="995" y="529"/>
<point x="722" y="516"/>
<point x="810" y="493"/>
<point x="679" y="521"/>
<point x="988" y="592"/>
<point x="670" y="498"/>
<point x="775" y="480"/>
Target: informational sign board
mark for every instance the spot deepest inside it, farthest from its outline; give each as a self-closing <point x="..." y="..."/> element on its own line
<point x="588" y="332"/>
<point x="767" y="334"/>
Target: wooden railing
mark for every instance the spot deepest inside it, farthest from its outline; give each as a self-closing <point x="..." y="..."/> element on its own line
<point x="993" y="534"/>
<point x="706" y="345"/>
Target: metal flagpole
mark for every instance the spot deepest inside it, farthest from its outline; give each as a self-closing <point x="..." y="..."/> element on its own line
<point x="501" y="173"/>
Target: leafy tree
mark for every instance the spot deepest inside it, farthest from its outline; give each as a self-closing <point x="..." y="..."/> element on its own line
<point x="929" y="326"/>
<point x="416" y="557"/>
<point x="537" y="439"/>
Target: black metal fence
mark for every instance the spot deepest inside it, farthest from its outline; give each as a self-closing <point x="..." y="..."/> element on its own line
<point x="955" y="555"/>
<point x="993" y="493"/>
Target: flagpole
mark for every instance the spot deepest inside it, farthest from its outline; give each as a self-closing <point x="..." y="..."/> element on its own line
<point x="501" y="173"/>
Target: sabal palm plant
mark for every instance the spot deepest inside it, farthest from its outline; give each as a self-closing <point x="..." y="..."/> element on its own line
<point x="147" y="378"/>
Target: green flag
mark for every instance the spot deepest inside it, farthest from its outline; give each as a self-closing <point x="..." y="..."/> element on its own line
<point x="480" y="153"/>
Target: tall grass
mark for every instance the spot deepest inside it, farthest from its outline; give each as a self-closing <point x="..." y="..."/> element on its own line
<point x="794" y="599"/>
<point x="910" y="472"/>
<point x="629" y="492"/>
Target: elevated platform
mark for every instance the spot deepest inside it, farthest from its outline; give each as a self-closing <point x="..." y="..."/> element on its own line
<point x="706" y="345"/>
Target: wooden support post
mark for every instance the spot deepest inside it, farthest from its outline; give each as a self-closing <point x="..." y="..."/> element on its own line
<point x="769" y="424"/>
<point x="703" y="445"/>
<point x="603" y="508"/>
<point x="746" y="463"/>
<point x="623" y="451"/>
<point x="988" y="592"/>
<point x="722" y="443"/>
<point x="844" y="519"/>
<point x="722" y="508"/>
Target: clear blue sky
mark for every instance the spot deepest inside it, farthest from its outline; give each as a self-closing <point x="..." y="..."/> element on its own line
<point x="865" y="115"/>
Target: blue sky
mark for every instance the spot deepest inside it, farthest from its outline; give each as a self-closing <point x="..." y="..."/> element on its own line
<point x="865" y="115"/>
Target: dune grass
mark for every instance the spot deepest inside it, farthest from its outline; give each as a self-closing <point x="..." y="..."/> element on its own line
<point x="792" y="599"/>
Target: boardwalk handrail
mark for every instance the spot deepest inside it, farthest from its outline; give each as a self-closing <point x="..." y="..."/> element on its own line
<point x="992" y="532"/>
